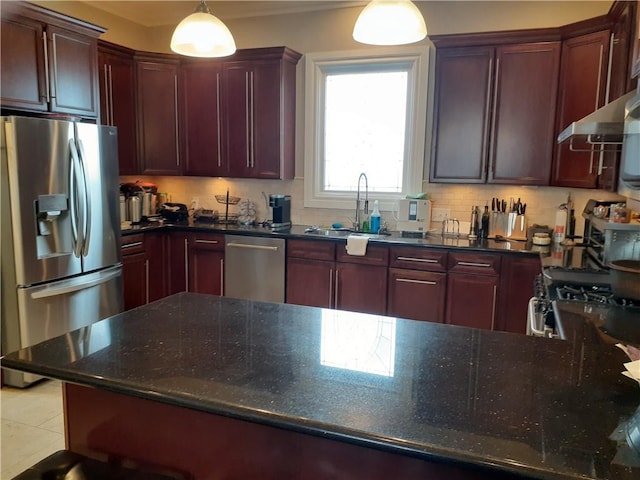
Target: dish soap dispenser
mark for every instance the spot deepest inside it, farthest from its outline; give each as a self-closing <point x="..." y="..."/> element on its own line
<point x="374" y="221"/>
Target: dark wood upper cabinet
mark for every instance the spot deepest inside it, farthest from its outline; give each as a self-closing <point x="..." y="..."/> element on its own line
<point x="494" y="111"/>
<point x="583" y="81"/>
<point x="464" y="78"/>
<point x="200" y="102"/>
<point x="258" y="111"/>
<point x="158" y="115"/>
<point x="49" y="62"/>
<point x="523" y="134"/>
<point x="118" y="101"/>
<point x="635" y="41"/>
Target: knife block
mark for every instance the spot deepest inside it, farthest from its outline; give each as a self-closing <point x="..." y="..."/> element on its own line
<point x="509" y="225"/>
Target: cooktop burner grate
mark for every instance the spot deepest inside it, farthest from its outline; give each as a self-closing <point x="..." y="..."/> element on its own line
<point x="601" y="294"/>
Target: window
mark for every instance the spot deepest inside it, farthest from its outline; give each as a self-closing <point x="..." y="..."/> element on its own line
<point x="365" y="112"/>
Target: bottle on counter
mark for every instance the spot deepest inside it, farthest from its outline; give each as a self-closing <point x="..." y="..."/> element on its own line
<point x="484" y="223"/>
<point x="374" y="220"/>
<point x="473" y="227"/>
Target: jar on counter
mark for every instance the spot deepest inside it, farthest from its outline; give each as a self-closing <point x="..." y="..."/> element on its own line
<point x="619" y="213"/>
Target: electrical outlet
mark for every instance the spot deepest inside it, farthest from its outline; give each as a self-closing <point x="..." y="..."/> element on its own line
<point x="439" y="214"/>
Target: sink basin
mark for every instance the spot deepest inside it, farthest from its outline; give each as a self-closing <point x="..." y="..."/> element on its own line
<point x="341" y="233"/>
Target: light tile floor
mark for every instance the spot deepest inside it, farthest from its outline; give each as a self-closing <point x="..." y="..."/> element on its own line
<point x="32" y="426"/>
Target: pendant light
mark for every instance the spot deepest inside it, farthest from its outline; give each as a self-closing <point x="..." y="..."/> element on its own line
<point x="390" y="22"/>
<point x="202" y="34"/>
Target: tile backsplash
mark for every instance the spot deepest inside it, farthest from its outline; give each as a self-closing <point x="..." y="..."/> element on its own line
<point x="542" y="202"/>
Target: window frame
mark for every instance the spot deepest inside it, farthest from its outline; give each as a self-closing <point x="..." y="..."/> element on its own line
<point x="316" y="67"/>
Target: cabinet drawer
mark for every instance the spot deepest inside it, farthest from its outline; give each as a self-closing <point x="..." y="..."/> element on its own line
<point x="418" y="258"/>
<point x="375" y="255"/>
<point x="133" y="244"/>
<point x="311" y="249"/>
<point x="206" y="241"/>
<point x="482" y="264"/>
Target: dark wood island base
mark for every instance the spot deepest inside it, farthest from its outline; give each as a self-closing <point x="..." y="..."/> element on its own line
<point x="111" y="426"/>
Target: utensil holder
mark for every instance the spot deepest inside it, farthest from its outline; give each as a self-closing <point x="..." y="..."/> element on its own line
<point x="510" y="225"/>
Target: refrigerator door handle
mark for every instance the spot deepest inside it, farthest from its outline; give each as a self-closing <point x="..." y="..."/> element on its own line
<point x="74" y="196"/>
<point x="87" y="203"/>
<point x="76" y="284"/>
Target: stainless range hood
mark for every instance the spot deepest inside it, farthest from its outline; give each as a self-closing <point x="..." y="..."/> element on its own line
<point x="604" y="126"/>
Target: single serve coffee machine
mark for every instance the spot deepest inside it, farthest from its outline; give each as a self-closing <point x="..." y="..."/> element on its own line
<point x="281" y="209"/>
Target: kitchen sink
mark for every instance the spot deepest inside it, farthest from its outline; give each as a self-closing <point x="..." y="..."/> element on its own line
<point x="341" y="233"/>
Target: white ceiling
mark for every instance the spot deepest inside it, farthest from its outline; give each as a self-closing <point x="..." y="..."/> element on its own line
<point x="160" y="12"/>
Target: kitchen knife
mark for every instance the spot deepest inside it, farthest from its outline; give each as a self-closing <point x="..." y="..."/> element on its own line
<point x="493" y="204"/>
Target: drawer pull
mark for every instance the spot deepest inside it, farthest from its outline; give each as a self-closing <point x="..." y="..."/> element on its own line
<point x="212" y="242"/>
<point x="475" y="264"/>
<point x="409" y="280"/>
<point x="134" y="244"/>
<point x="422" y="260"/>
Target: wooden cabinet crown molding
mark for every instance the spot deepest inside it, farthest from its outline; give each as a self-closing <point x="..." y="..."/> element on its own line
<point x="44" y="15"/>
<point x="535" y="35"/>
<point x="114" y="48"/>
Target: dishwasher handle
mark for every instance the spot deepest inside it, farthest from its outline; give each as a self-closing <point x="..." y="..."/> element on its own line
<point x="253" y="247"/>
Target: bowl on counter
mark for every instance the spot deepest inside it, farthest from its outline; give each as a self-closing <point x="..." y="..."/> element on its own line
<point x="625" y="278"/>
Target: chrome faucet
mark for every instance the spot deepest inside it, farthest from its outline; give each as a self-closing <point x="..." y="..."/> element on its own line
<point x="358" y="224"/>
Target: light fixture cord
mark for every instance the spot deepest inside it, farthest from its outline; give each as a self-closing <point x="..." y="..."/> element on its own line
<point x="203" y="8"/>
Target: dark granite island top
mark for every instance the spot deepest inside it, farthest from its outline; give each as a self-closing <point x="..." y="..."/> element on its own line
<point x="497" y="405"/>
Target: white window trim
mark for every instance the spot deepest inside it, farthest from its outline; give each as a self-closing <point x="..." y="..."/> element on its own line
<point x="418" y="58"/>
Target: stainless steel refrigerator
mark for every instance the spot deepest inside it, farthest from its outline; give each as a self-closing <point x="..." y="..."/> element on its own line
<point x="60" y="237"/>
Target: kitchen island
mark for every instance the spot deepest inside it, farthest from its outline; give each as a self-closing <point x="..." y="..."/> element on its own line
<point x="215" y="387"/>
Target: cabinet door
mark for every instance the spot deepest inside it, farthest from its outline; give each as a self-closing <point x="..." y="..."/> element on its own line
<point x="155" y="247"/>
<point x="310" y="282"/>
<point x="237" y="131"/>
<point x="635" y="59"/>
<point x="135" y="276"/>
<point x="523" y="133"/>
<point x="266" y="120"/>
<point x="118" y="106"/>
<point x="158" y="135"/>
<point x="516" y="288"/>
<point x="176" y="262"/>
<point x="417" y="295"/>
<point x="206" y="264"/>
<point x="73" y="67"/>
<point x="361" y="288"/>
<point x="200" y="91"/>
<point x="583" y="76"/>
<point x="464" y="79"/>
<point x="472" y="300"/>
<point x="23" y="83"/>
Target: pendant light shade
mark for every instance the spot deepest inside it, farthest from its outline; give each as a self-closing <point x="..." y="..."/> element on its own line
<point x="390" y="22"/>
<point x="202" y="34"/>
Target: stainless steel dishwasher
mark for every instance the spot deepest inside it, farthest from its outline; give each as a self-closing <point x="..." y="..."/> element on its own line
<point x="254" y="268"/>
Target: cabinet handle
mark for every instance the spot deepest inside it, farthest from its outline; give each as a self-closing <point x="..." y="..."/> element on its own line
<point x="494" y="113"/>
<point x="475" y="264"/>
<point x="175" y="104"/>
<point x="146" y="272"/>
<point x="596" y="104"/>
<point x="246" y="114"/>
<point x="112" y="123"/>
<point x="421" y="260"/>
<point x="410" y="280"/>
<point x="186" y="265"/>
<point x="330" y="286"/>
<point x="218" y="118"/>
<point x="612" y="42"/>
<point x="198" y="240"/>
<point x="54" y="80"/>
<point x="129" y="245"/>
<point x="335" y="292"/>
<point x="252" y="118"/>
<point x="46" y="68"/>
<point x="253" y="247"/>
<point x="221" y="277"/>
<point x="493" y="307"/>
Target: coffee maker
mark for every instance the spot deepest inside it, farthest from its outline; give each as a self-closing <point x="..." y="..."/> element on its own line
<point x="281" y="208"/>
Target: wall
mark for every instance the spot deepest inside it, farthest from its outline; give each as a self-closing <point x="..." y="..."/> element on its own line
<point x="331" y="30"/>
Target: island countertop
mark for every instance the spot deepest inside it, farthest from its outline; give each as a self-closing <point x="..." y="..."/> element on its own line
<point x="525" y="406"/>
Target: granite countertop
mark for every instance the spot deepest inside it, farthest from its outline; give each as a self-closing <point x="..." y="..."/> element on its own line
<point x="298" y="231"/>
<point x="536" y="407"/>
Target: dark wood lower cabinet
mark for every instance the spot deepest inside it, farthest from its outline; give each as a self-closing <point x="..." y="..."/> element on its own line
<point x="135" y="273"/>
<point x="143" y="268"/>
<point x="516" y="288"/>
<point x="361" y="288"/>
<point x="417" y="295"/>
<point x="205" y="263"/>
<point x="310" y="282"/>
<point x="472" y="300"/>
